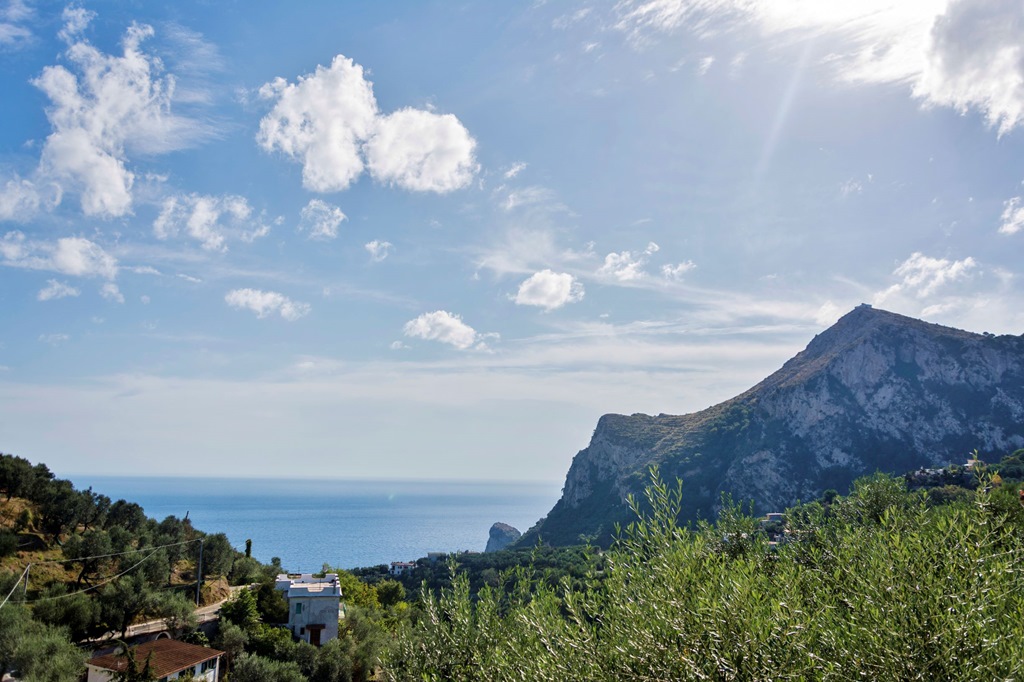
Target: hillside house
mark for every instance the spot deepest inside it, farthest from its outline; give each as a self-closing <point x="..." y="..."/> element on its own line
<point x="168" y="660"/>
<point x="314" y="606"/>
<point x="400" y="567"/>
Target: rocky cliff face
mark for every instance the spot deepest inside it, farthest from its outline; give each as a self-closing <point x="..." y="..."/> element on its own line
<point x="876" y="391"/>
<point x="501" y="536"/>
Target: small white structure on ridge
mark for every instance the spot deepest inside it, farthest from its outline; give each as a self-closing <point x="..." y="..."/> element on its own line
<point x="313" y="605"/>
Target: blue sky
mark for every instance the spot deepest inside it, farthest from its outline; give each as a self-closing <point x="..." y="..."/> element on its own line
<point x="436" y="239"/>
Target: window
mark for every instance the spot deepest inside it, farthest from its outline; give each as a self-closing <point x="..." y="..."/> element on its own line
<point x="298" y="608"/>
<point x="209" y="665"/>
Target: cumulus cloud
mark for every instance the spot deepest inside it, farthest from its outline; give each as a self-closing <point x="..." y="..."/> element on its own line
<point x="1012" y="217"/>
<point x="378" y="250"/>
<point x="421" y="151"/>
<point x="101" y="108"/>
<point x="549" y="290"/>
<point x="111" y="292"/>
<point x="75" y="256"/>
<point x="676" y="272"/>
<point x="964" y="54"/>
<point x="627" y="266"/>
<point x="329" y="122"/>
<point x="210" y="220"/>
<point x="922" y="275"/>
<point x="266" y="303"/>
<point x="54" y="290"/>
<point x="445" y="327"/>
<point x="320" y="121"/>
<point x="320" y="220"/>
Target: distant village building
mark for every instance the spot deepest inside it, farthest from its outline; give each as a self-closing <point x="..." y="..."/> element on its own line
<point x="400" y="567"/>
<point x="313" y="606"/>
<point x="168" y="660"/>
<point x="434" y="557"/>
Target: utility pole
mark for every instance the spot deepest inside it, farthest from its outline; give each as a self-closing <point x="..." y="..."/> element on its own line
<point x="24" y="595"/>
<point x="199" y="572"/>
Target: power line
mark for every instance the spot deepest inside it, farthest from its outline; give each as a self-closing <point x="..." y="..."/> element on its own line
<point x="151" y="551"/>
<point x="104" y="556"/>
<point x="93" y="587"/>
<point x="15" y="586"/>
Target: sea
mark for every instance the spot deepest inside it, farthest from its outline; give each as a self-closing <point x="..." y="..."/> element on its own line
<point x="343" y="523"/>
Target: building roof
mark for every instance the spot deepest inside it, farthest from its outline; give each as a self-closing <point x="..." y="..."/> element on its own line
<point x="168" y="657"/>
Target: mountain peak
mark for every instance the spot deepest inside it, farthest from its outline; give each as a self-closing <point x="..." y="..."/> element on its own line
<point x="875" y="391"/>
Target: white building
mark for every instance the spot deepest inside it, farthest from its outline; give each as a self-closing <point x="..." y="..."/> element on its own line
<point x="400" y="567"/>
<point x="313" y="606"/>
<point x="168" y="660"/>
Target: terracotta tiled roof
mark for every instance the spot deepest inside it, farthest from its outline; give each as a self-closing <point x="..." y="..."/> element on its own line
<point x="169" y="657"/>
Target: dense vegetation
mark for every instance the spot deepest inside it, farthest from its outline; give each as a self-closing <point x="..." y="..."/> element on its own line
<point x="884" y="583"/>
<point x="75" y="565"/>
<point x="881" y="584"/>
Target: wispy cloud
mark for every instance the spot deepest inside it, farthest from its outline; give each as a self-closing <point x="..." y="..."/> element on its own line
<point x="964" y="54"/>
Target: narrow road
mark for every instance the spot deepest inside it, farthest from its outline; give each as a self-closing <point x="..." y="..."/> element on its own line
<point x="204" y="614"/>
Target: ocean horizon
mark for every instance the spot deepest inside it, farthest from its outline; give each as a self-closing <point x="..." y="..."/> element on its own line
<point x="347" y="523"/>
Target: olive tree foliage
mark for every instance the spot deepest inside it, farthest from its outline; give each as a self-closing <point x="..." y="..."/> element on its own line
<point x="876" y="585"/>
<point x="36" y="651"/>
<point x="249" y="668"/>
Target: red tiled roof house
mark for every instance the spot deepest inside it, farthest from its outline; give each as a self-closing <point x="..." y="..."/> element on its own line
<point x="168" y="660"/>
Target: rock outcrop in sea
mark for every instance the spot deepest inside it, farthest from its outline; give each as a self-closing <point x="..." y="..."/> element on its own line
<point x="876" y="391"/>
<point x="501" y="536"/>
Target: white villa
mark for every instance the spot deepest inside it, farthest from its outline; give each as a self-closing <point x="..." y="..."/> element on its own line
<point x="313" y="606"/>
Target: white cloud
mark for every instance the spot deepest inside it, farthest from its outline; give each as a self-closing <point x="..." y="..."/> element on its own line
<point x="13" y="31"/>
<point x="976" y="61"/>
<point x="515" y="169"/>
<point x="549" y="290"/>
<point x="321" y="220"/>
<point x="850" y="187"/>
<point x="329" y="119"/>
<point x="704" y="65"/>
<point x="378" y="250"/>
<point x="627" y="266"/>
<point x="531" y="196"/>
<point x="53" y="339"/>
<point x="421" y="151"/>
<point x="1012" y="217"/>
<point x="445" y="327"/>
<point x="111" y="292"/>
<point x="101" y="108"/>
<point x="265" y="303"/>
<point x="964" y="54"/>
<point x="922" y="275"/>
<point x="210" y="220"/>
<point x="189" y="278"/>
<point x="676" y="272"/>
<point x="19" y="199"/>
<point x="54" y="290"/>
<point x="828" y="313"/>
<point x="69" y="256"/>
<point x="321" y="121"/>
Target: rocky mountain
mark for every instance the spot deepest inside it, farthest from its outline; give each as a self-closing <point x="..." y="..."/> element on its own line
<point x="876" y="391"/>
<point x="501" y="536"/>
